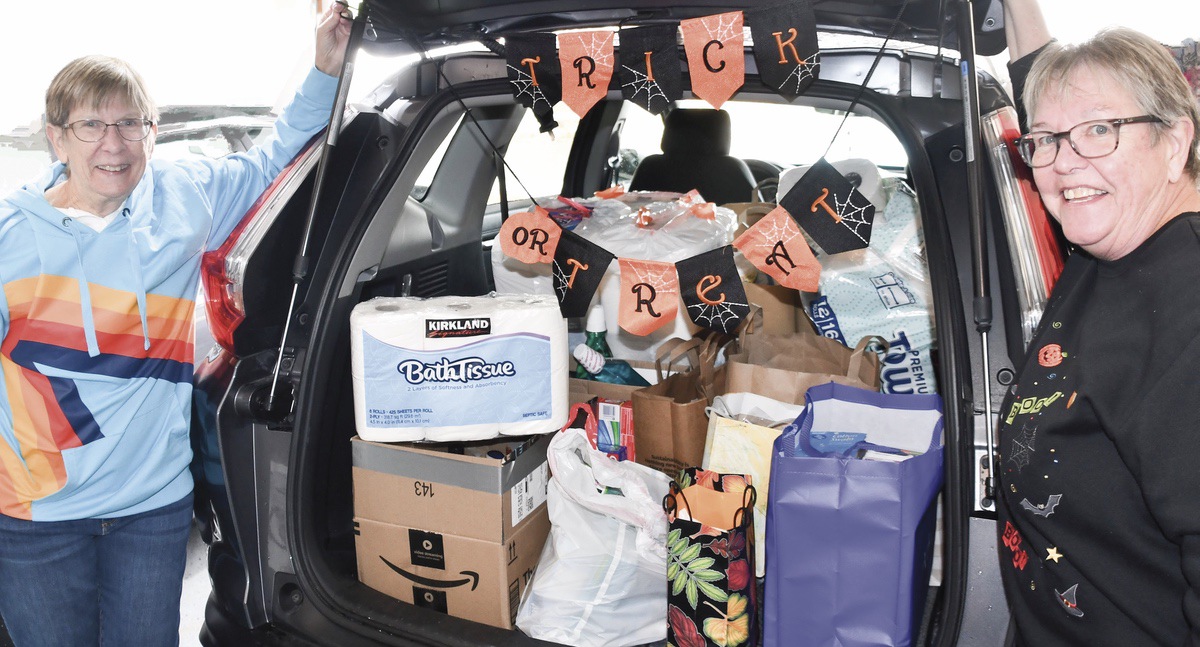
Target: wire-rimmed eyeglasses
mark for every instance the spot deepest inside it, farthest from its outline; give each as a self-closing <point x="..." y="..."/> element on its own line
<point x="93" y="130"/>
<point x="1090" y="139"/>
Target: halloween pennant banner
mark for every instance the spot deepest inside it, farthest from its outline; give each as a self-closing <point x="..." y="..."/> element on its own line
<point x="587" y="68"/>
<point x="530" y="236"/>
<point x="712" y="290"/>
<point x="649" y="295"/>
<point x="534" y="71"/>
<point x="715" y="47"/>
<point x="579" y="266"/>
<point x="785" y="46"/>
<point x="830" y="210"/>
<point x="776" y="246"/>
<point x="650" y="73"/>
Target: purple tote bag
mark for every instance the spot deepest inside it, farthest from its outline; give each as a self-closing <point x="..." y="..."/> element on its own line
<point x="849" y="541"/>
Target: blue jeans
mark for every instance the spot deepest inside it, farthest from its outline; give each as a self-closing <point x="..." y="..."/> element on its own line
<point x="110" y="582"/>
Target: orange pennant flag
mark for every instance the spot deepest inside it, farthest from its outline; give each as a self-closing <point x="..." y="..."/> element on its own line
<point x="776" y="246"/>
<point x="714" y="46"/>
<point x="649" y="295"/>
<point x="530" y="236"/>
<point x="586" y="59"/>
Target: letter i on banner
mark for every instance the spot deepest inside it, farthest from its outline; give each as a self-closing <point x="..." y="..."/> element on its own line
<point x="587" y="63"/>
<point x="578" y="268"/>
<point x="776" y="246"/>
<point x="715" y="54"/>
<point x="533" y="71"/>
<point x="650" y="74"/>
<point x="785" y="46"/>
<point x="649" y="295"/>
<point x="830" y="210"/>
<point x="712" y="290"/>
<point x="530" y="236"/>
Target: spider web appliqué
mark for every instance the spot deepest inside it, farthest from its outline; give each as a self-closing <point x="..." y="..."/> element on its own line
<point x="806" y="70"/>
<point x="641" y="82"/>
<point x="710" y="316"/>
<point x="853" y="216"/>
<point x="525" y="87"/>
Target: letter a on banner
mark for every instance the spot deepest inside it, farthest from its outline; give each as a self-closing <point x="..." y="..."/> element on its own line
<point x="578" y="267"/>
<point x="530" y="236"/>
<point x="712" y="290"/>
<point x="650" y="74"/>
<point x="649" y="295"/>
<point x="587" y="65"/>
<point x="533" y="71"/>
<point x="715" y="54"/>
<point x="775" y="245"/>
<point x="785" y="46"/>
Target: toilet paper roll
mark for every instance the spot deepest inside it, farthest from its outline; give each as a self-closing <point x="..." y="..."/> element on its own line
<point x="458" y="368"/>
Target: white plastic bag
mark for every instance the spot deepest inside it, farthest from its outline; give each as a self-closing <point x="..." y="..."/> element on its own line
<point x="602" y="575"/>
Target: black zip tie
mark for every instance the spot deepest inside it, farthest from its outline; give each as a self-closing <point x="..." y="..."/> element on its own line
<point x="863" y="88"/>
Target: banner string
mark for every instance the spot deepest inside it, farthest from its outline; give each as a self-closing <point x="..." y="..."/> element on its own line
<point x="862" y="88"/>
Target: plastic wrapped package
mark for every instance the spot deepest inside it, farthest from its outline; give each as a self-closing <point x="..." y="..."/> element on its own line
<point x="884" y="290"/>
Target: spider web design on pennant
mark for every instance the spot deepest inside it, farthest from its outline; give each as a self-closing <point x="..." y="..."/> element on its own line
<point x="719" y="313"/>
<point x="661" y="280"/>
<point x="524" y="87"/>
<point x="599" y="50"/>
<point x="641" y="82"/>
<point x="853" y="216"/>
<point x="560" y="280"/>
<point x="803" y="72"/>
<point x="724" y="30"/>
<point x="1022" y="446"/>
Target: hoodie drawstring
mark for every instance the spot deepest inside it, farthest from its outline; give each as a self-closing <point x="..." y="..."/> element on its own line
<point x="136" y="261"/>
<point x="85" y="293"/>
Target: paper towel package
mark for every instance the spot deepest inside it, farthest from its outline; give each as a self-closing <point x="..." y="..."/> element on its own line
<point x="458" y="368"/>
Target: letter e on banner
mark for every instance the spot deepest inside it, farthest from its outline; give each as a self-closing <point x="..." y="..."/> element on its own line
<point x="715" y="52"/>
<point x="649" y="295"/>
<point x="530" y="236"/>
<point x="775" y="246"/>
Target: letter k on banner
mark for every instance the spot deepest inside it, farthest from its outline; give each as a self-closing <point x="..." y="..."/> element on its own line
<point x="785" y="46"/>
<point x="715" y="47"/>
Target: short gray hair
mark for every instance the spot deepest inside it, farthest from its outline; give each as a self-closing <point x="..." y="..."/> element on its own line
<point x="93" y="80"/>
<point x="1135" y="61"/>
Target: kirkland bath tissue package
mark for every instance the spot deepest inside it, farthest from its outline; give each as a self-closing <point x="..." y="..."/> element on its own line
<point x="458" y="368"/>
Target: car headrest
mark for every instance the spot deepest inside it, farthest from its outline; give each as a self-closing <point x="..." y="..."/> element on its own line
<point x="863" y="173"/>
<point x="696" y="131"/>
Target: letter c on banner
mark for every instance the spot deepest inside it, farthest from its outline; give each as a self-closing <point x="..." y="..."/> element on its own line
<point x="706" y="285"/>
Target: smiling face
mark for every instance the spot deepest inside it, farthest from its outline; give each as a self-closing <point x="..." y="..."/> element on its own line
<point x="101" y="175"/>
<point x="1110" y="205"/>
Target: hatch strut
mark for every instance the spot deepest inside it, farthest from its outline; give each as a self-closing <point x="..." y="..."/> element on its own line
<point x="300" y="265"/>
<point x="982" y="304"/>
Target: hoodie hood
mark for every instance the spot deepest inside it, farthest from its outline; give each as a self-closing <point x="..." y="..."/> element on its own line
<point x="51" y="229"/>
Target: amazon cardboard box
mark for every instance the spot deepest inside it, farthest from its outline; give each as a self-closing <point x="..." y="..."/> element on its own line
<point x="457" y="532"/>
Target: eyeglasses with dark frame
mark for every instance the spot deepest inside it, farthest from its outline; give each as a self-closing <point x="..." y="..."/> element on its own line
<point x="93" y="130"/>
<point x="1090" y="139"/>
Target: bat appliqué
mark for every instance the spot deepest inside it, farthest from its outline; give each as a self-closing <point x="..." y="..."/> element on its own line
<point x="1043" y="510"/>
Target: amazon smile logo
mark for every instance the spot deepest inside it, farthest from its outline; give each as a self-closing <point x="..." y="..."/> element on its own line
<point x="428" y="582"/>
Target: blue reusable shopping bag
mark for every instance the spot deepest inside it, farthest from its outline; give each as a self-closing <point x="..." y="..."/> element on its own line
<point x="849" y="541"/>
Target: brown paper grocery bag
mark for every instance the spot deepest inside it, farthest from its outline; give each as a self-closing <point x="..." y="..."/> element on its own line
<point x="670" y="425"/>
<point x="783" y="367"/>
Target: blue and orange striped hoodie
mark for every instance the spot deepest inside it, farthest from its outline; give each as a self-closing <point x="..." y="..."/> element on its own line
<point x="96" y="357"/>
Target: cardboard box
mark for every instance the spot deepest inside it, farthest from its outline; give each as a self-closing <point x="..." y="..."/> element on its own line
<point x="457" y="532"/>
<point x="467" y="578"/>
<point x="425" y="486"/>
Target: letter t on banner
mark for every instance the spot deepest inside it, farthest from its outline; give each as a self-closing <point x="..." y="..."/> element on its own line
<point x="578" y="268"/>
<point x="587" y="62"/>
<point x="715" y="53"/>
<point x="534" y="72"/>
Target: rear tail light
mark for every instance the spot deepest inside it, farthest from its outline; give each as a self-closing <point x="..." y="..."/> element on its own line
<point x="1034" y="247"/>
<point x="223" y="270"/>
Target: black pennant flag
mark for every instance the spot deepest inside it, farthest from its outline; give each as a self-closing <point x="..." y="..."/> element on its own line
<point x="650" y="74"/>
<point x="785" y="46"/>
<point x="534" y="71"/>
<point x="579" y="265"/>
<point x="712" y="290"/>
<point x="830" y="210"/>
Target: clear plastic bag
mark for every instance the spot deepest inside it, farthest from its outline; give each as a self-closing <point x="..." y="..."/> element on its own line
<point x="601" y="579"/>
